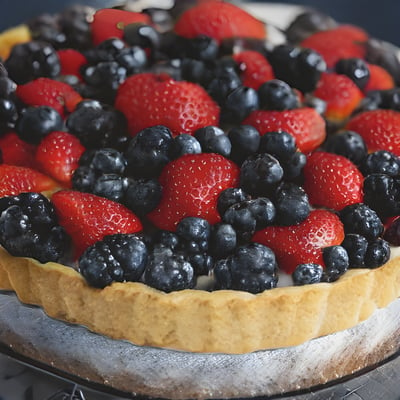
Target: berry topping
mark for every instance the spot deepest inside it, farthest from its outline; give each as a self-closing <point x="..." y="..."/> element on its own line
<point x="336" y="262"/>
<point x="354" y="68"/>
<point x="356" y="248"/>
<point x="277" y="95"/>
<point x="245" y="141"/>
<point x="213" y="140"/>
<point x="380" y="79"/>
<point x="381" y="162"/>
<point x="16" y="151"/>
<point x="307" y="274"/>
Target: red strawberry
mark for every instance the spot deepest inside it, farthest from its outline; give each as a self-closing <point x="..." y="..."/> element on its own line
<point x="58" y="155"/>
<point x="344" y="41"/>
<point x="49" y="92"/>
<point x="341" y="95"/>
<point x="88" y="218"/>
<point x="254" y="68"/>
<point x="71" y="61"/>
<point x="191" y="186"/>
<point x="149" y="99"/>
<point x="332" y="181"/>
<point x="15" y="180"/>
<point x="379" y="79"/>
<point x="380" y="129"/>
<point x="219" y="20"/>
<point x="109" y="23"/>
<point x="302" y="243"/>
<point x="305" y="124"/>
<point x="16" y="151"/>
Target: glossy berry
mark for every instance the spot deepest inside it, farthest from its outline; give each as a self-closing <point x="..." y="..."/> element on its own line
<point x="116" y="258"/>
<point x="110" y="186"/>
<point x="293" y="167"/>
<point x="194" y="232"/>
<point x="336" y="262"/>
<point x="381" y="162"/>
<point x="105" y="160"/>
<point x="8" y="115"/>
<point x="229" y="197"/>
<point x="142" y="35"/>
<point x="212" y="139"/>
<point x="245" y="141"/>
<point x="354" y="68"/>
<point x="307" y="274"/>
<point x="378" y="253"/>
<point x="280" y="144"/>
<point x="277" y="95"/>
<point x="223" y="240"/>
<point x="184" y="144"/>
<point x="141" y="195"/>
<point x="356" y="247"/>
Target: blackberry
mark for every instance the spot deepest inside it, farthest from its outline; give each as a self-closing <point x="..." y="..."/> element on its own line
<point x="194" y="234"/>
<point x="336" y="262"/>
<point x="291" y="204"/>
<point x="251" y="268"/>
<point x="354" y="68"/>
<point x="37" y="122"/>
<point x="184" y="144"/>
<point x="381" y="162"/>
<point x="356" y="247"/>
<point x="97" y="125"/>
<point x="32" y="60"/>
<point x="223" y="240"/>
<point x="148" y="152"/>
<point x="348" y="144"/>
<point x="141" y="195"/>
<point x="29" y="228"/>
<point x="307" y="274"/>
<point x="277" y="95"/>
<point x="229" y="197"/>
<point x="361" y="219"/>
<point x="392" y="232"/>
<point x="168" y="272"/>
<point x="281" y="145"/>
<point x="378" y="253"/>
<point x="245" y="141"/>
<point x="212" y="139"/>
<point x="260" y="174"/>
<point x="166" y="239"/>
<point x="116" y="258"/>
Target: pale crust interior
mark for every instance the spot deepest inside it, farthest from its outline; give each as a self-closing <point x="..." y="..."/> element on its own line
<point x="199" y="321"/>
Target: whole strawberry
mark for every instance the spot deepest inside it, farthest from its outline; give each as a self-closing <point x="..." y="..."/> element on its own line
<point x="16" y="151"/>
<point x="87" y="218"/>
<point x="191" y="186"/>
<point x="302" y="243"/>
<point x="219" y="20"/>
<point x="305" y="124"/>
<point x="149" y="99"/>
<point x="332" y="181"/>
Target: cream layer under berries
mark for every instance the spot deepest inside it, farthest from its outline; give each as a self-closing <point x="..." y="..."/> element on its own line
<point x="150" y="150"/>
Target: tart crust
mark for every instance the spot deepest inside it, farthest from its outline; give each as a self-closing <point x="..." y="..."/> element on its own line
<point x="199" y="321"/>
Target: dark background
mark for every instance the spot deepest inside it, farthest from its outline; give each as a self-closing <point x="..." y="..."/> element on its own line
<point x="379" y="18"/>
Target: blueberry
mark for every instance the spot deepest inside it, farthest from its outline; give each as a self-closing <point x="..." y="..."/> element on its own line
<point x="277" y="95"/>
<point x="202" y="47"/>
<point x="281" y="145"/>
<point x="381" y="162"/>
<point x="213" y="140"/>
<point x="223" y="240"/>
<point x="245" y="141"/>
<point x="184" y="144"/>
<point x="354" y="68"/>
<point x="105" y="160"/>
<point x="202" y="263"/>
<point x="306" y="274"/>
<point x="166" y="239"/>
<point x="194" y="232"/>
<point x="356" y="248"/>
<point x="336" y="262"/>
<point x="293" y="166"/>
<point x="83" y="179"/>
<point x="378" y="253"/>
<point x="222" y="274"/>
<point x="133" y="59"/>
<point x="195" y="71"/>
<point x="110" y="186"/>
<point x="142" y="35"/>
<point x="142" y="195"/>
<point x="229" y="197"/>
<point x="225" y="80"/>
<point x="8" y="115"/>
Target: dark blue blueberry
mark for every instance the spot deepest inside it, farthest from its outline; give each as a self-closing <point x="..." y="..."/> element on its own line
<point x="229" y="197"/>
<point x="201" y="47"/>
<point x="37" y="122"/>
<point x="260" y="174"/>
<point x="7" y="87"/>
<point x="202" y="263"/>
<point x="307" y="274"/>
<point x="381" y="162"/>
<point x="354" y="68"/>
<point x="116" y="258"/>
<point x="83" y="179"/>
<point x="8" y="115"/>
<point x="133" y="59"/>
<point x="277" y="95"/>
<point x="281" y="145"/>
<point x="222" y="275"/>
<point x="194" y="233"/>
<point x="195" y="71"/>
<point x="110" y="186"/>
<point x="166" y="239"/>
<point x="356" y="248"/>
<point x="293" y="166"/>
<point x="107" y="50"/>
<point x="291" y="204"/>
<point x="336" y="262"/>
<point x="390" y="99"/>
<point x="212" y="139"/>
<point x="361" y="219"/>
<point x="142" y="35"/>
<point x="223" y="240"/>
<point x="245" y="140"/>
<point x="105" y="160"/>
<point x="378" y="253"/>
<point x="148" y="152"/>
<point x="184" y="144"/>
<point x="225" y="80"/>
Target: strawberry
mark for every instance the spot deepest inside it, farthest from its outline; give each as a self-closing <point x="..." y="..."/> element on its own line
<point x="58" y="155"/>
<point x="305" y="124"/>
<point x="254" y="68"/>
<point x="109" y="23"/>
<point x="49" y="92"/>
<point x="219" y="20"/>
<point x="87" y="218"/>
<point x="191" y="186"/>
<point x="341" y="94"/>
<point x="149" y="99"/>
<point x="380" y="129"/>
<point x="302" y="243"/>
<point x="379" y="79"/>
<point x="16" y="151"/>
<point x="332" y="181"/>
<point x="15" y="180"/>
<point x="71" y="61"/>
<point x="344" y="41"/>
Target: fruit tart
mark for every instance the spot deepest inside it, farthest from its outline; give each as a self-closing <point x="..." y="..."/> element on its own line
<point x="177" y="179"/>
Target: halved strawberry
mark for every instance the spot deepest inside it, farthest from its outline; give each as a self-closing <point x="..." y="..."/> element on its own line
<point x="88" y="218"/>
<point x="191" y="186"/>
<point x="58" y="155"/>
<point x="332" y="181"/>
<point x="71" y="61"/>
<point x="380" y="129"/>
<point x="219" y="20"/>
<point x="15" y="180"/>
<point x="149" y="99"/>
<point x="305" y="124"/>
<point x="49" y="92"/>
<point x="341" y="94"/>
<point x="109" y="23"/>
<point x="16" y="151"/>
<point x="379" y="79"/>
<point x="302" y="243"/>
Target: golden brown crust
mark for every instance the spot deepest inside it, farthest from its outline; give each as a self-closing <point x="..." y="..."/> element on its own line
<point x="199" y="321"/>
